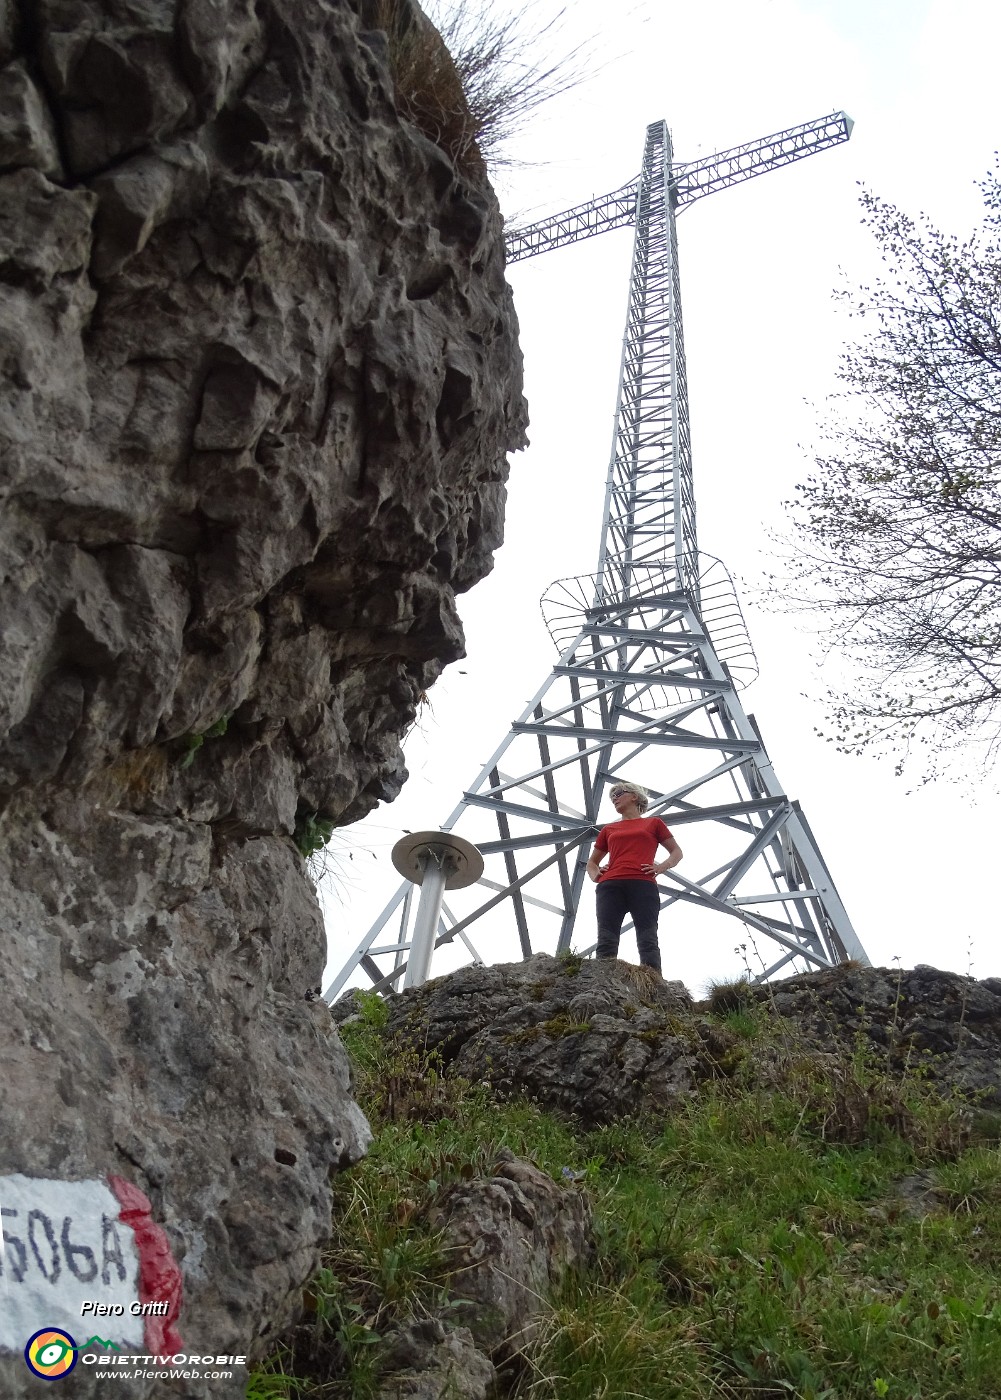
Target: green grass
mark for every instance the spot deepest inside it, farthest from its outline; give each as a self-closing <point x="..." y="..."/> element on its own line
<point x="759" y="1242"/>
<point x="793" y="1265"/>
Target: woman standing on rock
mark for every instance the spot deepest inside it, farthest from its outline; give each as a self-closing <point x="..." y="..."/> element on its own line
<point x="628" y="883"/>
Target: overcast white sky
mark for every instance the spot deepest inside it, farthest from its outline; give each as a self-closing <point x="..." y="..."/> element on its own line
<point x="759" y="264"/>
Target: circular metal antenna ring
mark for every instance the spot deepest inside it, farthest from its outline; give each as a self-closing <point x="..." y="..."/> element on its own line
<point x="462" y="856"/>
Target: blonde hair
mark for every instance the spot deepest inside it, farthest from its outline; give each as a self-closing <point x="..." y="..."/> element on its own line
<point x="641" y="794"/>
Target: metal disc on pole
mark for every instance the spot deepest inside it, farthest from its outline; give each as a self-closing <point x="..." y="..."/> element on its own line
<point x="465" y="864"/>
<point x="437" y="861"/>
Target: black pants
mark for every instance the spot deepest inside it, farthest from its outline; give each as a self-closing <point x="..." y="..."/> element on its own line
<point x="617" y="898"/>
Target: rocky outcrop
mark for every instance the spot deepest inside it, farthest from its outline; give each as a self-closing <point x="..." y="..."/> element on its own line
<point x="260" y="378"/>
<point x="259" y="375"/>
<point x="942" y="1023"/>
<point x="600" y="1040"/>
<point x="425" y="1360"/>
<point x="510" y="1239"/>
<point x="595" y="1040"/>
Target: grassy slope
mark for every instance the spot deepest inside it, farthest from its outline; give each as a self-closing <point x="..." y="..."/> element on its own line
<point x="837" y="1234"/>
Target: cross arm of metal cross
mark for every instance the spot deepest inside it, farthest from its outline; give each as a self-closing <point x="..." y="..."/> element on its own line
<point x="725" y="168"/>
<point x="598" y="215"/>
<point x="688" y="182"/>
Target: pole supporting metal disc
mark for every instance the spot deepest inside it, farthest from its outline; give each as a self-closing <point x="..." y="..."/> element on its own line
<point x="461" y="858"/>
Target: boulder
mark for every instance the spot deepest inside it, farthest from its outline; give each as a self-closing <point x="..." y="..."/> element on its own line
<point x="592" y="1039"/>
<point x="510" y="1240"/>
<point x="427" y="1361"/>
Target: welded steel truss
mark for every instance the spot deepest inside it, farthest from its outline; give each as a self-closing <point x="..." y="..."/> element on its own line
<point x="688" y="181"/>
<point x="653" y="654"/>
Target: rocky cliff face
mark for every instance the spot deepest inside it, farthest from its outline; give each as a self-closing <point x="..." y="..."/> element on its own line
<point x="259" y="376"/>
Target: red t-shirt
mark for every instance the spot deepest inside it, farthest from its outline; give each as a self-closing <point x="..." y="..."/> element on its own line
<point x="630" y="845"/>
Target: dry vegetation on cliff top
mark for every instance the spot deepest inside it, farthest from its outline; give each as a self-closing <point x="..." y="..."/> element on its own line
<point x="836" y="1236"/>
<point x="472" y="77"/>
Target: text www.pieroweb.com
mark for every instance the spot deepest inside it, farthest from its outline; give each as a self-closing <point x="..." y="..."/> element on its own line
<point x="142" y="1375"/>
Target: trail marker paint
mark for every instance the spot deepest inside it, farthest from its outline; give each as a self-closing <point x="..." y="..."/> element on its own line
<point x="64" y="1245"/>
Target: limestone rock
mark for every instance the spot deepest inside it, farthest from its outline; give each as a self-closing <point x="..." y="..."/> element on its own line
<point x="168" y="1041"/>
<point x="599" y="1040"/>
<point x="427" y="1361"/>
<point x="591" y="1039"/>
<point x="511" y="1238"/>
<point x="259" y="376"/>
<point x="27" y="133"/>
<point x="268" y="396"/>
<point x="508" y="1240"/>
<point x="947" y="1024"/>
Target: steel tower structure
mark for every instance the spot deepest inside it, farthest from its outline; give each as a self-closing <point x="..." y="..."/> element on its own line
<point x="653" y="655"/>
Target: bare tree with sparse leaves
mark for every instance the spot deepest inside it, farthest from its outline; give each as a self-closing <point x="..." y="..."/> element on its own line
<point x="897" y="532"/>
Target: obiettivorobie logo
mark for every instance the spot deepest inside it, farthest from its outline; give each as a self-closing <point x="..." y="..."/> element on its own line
<point x="52" y="1353"/>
